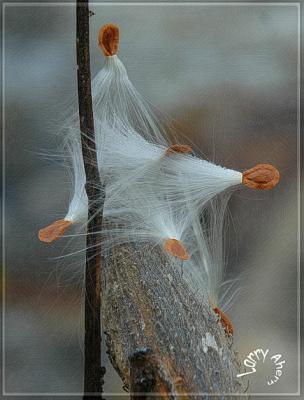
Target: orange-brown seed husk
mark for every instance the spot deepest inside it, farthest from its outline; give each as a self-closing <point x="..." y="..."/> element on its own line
<point x="225" y="321"/>
<point x="108" y="39"/>
<point x="262" y="176"/>
<point x="178" y="148"/>
<point x="175" y="248"/>
<point x="54" y="231"/>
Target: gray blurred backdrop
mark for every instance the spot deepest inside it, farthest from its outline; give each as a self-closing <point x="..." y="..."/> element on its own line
<point x="227" y="76"/>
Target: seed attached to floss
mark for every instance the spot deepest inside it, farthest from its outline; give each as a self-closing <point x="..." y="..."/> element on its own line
<point x="54" y="231"/>
<point x="225" y="321"/>
<point x="175" y="248"/>
<point x="178" y="148"/>
<point x="108" y="39"/>
<point x="262" y="176"/>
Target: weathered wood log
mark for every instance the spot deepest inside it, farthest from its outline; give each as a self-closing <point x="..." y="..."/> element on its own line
<point x="160" y="335"/>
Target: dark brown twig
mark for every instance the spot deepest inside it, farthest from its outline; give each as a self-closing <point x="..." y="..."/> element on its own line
<point x="92" y="342"/>
<point x="147" y="377"/>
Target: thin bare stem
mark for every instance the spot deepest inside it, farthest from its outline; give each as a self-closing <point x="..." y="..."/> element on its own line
<point x="93" y="373"/>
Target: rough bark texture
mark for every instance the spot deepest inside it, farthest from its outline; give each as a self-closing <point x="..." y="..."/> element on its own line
<point x="160" y="337"/>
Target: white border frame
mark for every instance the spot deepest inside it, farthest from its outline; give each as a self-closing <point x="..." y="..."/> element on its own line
<point x="199" y="3"/>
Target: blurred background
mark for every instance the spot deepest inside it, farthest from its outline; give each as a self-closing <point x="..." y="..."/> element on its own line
<point x="227" y="76"/>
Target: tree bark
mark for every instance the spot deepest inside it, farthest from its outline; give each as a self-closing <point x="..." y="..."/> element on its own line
<point x="161" y="337"/>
